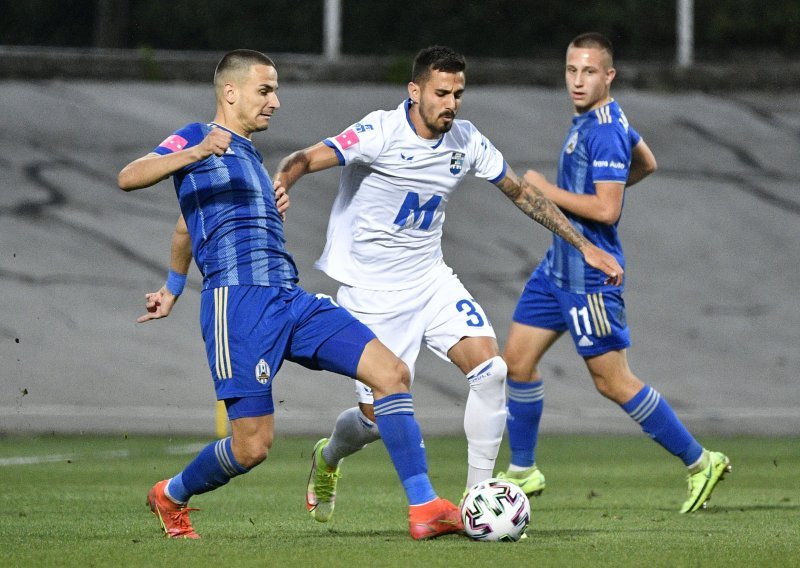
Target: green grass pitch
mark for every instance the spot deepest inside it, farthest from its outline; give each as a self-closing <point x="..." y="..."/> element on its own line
<point x="610" y="501"/>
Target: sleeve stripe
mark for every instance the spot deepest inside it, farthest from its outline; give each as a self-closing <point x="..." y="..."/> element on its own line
<point x="339" y="154"/>
<point x="502" y="173"/>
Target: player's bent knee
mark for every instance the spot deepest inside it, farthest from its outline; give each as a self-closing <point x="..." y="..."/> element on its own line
<point x="382" y="370"/>
<point x="251" y="449"/>
<point x="602" y="387"/>
<point x="385" y="377"/>
<point x="253" y="454"/>
<point x="395" y="378"/>
<point x="611" y="389"/>
<point x="489" y="375"/>
<point x="520" y="371"/>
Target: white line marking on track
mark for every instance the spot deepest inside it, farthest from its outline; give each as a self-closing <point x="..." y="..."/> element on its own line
<point x="110" y="454"/>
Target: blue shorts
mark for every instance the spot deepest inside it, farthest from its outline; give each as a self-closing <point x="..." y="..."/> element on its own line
<point x="250" y="330"/>
<point x="596" y="320"/>
<point x="249" y="406"/>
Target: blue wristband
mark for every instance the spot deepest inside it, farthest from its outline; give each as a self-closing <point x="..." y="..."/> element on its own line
<point x="175" y="283"/>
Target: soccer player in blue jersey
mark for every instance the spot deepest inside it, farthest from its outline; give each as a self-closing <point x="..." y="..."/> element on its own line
<point x="601" y="155"/>
<point x="253" y="314"/>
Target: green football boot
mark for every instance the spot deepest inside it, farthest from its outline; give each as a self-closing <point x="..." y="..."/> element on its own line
<point x="530" y="480"/>
<point x="702" y="483"/>
<point x="321" y="491"/>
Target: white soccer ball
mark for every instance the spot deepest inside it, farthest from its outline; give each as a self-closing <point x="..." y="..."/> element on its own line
<point x="495" y="510"/>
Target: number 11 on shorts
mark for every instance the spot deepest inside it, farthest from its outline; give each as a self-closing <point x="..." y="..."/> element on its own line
<point x="577" y="316"/>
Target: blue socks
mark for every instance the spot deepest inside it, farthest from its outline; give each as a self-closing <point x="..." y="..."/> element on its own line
<point x="653" y="413"/>
<point x="659" y="421"/>
<point x="213" y="467"/>
<point x="401" y="435"/>
<point x="525" y="405"/>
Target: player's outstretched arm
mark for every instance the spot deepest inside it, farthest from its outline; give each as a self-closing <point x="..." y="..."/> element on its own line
<point x="297" y="164"/>
<point x="531" y="201"/>
<point x="535" y="205"/>
<point x="152" y="168"/>
<point x="159" y="304"/>
<point x="643" y="163"/>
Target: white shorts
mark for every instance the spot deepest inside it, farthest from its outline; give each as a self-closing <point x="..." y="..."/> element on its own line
<point x="439" y="312"/>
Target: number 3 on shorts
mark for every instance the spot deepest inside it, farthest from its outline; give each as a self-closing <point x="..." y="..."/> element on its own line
<point x="474" y="317"/>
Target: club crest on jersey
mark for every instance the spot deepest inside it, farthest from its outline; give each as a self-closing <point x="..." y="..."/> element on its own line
<point x="456" y="162"/>
<point x="572" y="143"/>
<point x="262" y="372"/>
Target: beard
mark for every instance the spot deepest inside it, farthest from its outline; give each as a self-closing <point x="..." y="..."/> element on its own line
<point x="447" y="126"/>
<point x="437" y="126"/>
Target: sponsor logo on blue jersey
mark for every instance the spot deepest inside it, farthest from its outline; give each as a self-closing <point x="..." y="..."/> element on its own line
<point x="606" y="164"/>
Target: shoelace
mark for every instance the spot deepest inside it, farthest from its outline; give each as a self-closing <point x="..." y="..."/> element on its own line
<point x="181" y="521"/>
<point x="325" y="483"/>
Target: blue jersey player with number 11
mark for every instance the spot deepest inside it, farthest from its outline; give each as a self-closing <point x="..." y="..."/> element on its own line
<point x="601" y="155"/>
<point x="252" y="313"/>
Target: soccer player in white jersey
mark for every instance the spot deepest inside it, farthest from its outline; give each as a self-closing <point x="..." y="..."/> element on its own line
<point x="253" y="314"/>
<point x="401" y="167"/>
<point x="602" y="154"/>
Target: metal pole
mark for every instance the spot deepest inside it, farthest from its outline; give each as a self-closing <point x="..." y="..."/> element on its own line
<point x="332" y="29"/>
<point x="685" y="32"/>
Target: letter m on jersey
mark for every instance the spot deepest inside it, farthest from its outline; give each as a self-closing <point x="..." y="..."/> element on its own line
<point x="411" y="208"/>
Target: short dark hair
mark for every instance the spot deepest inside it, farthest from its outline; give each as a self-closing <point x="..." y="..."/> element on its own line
<point x="240" y="60"/>
<point x="438" y="58"/>
<point x="594" y="40"/>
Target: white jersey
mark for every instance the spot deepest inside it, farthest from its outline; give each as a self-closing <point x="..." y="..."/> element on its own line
<point x="385" y="228"/>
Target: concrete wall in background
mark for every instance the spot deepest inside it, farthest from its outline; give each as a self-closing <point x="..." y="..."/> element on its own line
<point x="711" y="239"/>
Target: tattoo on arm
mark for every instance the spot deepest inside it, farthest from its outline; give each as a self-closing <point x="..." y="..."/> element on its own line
<point x="292" y="168"/>
<point x="536" y="206"/>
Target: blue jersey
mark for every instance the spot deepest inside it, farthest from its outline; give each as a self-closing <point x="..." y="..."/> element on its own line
<point x="597" y="149"/>
<point x="229" y="205"/>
